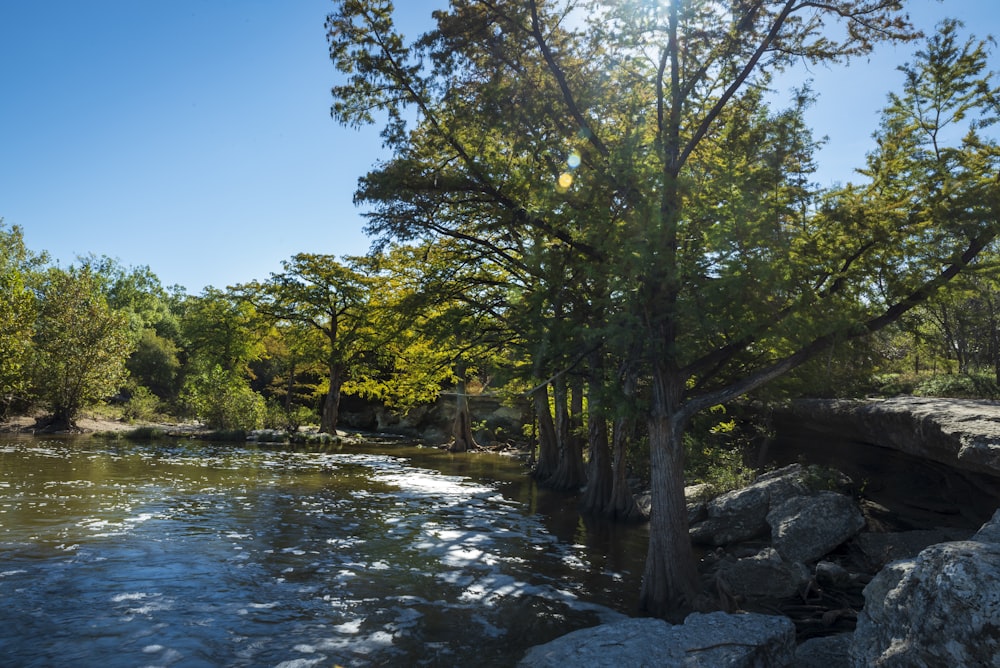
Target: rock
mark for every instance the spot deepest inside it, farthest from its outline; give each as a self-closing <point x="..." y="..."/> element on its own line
<point x="805" y="528"/>
<point x="742" y="514"/>
<point x="826" y="652"/>
<point x="764" y="575"/>
<point x="713" y="640"/>
<point x="940" y="608"/>
<point x="879" y="549"/>
<point x="959" y="432"/>
<point x="989" y="532"/>
<point x="829" y="574"/>
<point x="696" y="498"/>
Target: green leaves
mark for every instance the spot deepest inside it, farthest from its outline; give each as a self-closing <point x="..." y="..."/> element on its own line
<point x="81" y="344"/>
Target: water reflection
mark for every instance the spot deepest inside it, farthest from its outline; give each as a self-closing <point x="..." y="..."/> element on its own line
<point x="192" y="554"/>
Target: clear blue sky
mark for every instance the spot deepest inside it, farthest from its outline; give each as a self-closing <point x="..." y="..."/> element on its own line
<point x="194" y="136"/>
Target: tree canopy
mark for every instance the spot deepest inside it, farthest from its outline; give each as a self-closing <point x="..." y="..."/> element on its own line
<point x="624" y="159"/>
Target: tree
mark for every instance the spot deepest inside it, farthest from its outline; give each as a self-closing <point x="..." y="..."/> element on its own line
<point x="669" y="172"/>
<point x="329" y="298"/>
<point x="81" y="344"/>
<point x="17" y="315"/>
<point x="443" y="311"/>
<point x="222" y="336"/>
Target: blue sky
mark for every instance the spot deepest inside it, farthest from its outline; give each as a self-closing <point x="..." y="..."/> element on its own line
<point x="194" y="136"/>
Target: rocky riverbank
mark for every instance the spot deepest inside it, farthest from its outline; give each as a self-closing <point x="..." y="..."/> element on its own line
<point x="811" y="570"/>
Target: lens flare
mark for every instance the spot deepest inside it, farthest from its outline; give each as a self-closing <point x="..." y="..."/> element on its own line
<point x="565" y="181"/>
<point x="573" y="160"/>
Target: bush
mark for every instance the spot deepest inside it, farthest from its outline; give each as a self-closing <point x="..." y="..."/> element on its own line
<point x="224" y="401"/>
<point x="278" y="418"/>
<point x="714" y="450"/>
<point x="896" y="384"/>
<point x="959" y="386"/>
<point x="721" y="467"/>
<point x="143" y="405"/>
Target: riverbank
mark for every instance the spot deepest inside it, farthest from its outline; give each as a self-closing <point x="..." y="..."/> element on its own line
<point x="91" y="423"/>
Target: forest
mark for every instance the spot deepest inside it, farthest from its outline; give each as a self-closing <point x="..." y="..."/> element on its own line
<point x="599" y="206"/>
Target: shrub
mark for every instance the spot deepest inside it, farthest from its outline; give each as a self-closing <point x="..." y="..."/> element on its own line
<point x="143" y="405"/>
<point x="959" y="386"/>
<point x="224" y="401"/>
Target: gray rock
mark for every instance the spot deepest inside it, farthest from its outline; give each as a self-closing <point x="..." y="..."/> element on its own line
<point x="742" y="514"/>
<point x="713" y="640"/>
<point x="829" y="574"/>
<point x="958" y="432"/>
<point x="764" y="575"/>
<point x="989" y="532"/>
<point x="826" y="652"/>
<point x="805" y="528"/>
<point x="941" y="608"/>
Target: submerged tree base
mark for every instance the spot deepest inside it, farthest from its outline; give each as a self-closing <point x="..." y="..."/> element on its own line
<point x="56" y="424"/>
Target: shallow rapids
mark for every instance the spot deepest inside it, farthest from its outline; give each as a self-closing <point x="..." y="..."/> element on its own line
<point x="193" y="554"/>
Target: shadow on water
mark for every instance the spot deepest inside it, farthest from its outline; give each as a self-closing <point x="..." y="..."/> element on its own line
<point x="187" y="553"/>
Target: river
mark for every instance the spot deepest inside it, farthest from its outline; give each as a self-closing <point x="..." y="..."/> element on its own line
<point x="187" y="553"/>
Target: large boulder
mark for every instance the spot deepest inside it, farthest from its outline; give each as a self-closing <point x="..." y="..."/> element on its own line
<point x="805" y="528"/>
<point x="711" y="641"/>
<point x="763" y="575"/>
<point x="825" y="652"/>
<point x="742" y="514"/>
<point x="959" y="432"/>
<point x="940" y="608"/>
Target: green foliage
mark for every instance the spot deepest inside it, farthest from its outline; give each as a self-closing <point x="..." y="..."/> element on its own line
<point x="155" y="364"/>
<point x="220" y="329"/>
<point x="143" y="434"/>
<point x="80" y="344"/>
<point x="322" y="308"/>
<point x="720" y="466"/>
<point x="18" y="267"/>
<point x="17" y="315"/>
<point x="714" y="448"/>
<point x="141" y="406"/>
<point x="223" y="400"/>
<point x="289" y="418"/>
<point x="959" y="386"/>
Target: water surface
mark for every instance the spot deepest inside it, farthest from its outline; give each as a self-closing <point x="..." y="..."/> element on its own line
<point x="183" y="553"/>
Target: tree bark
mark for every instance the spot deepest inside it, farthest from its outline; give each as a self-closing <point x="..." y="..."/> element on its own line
<point x="462" y="426"/>
<point x="548" y="456"/>
<point x="596" y="499"/>
<point x="670" y="583"/>
<point x="622" y="506"/>
<point x="331" y="403"/>
<point x="570" y="474"/>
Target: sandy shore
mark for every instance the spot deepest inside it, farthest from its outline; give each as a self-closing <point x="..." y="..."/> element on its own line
<point x="89" y="424"/>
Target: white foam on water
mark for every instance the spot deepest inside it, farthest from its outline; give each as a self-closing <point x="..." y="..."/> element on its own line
<point x="302" y="663"/>
<point x="131" y="596"/>
<point x="352" y="627"/>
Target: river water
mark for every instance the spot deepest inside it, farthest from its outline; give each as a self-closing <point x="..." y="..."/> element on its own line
<point x="185" y="553"/>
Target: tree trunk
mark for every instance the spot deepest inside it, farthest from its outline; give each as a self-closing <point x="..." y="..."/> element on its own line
<point x="606" y="494"/>
<point x="570" y="475"/>
<point x="62" y="419"/>
<point x="596" y="497"/>
<point x="462" y="427"/>
<point x="331" y="403"/>
<point x="548" y="456"/>
<point x="670" y="584"/>
<point x="622" y="506"/>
